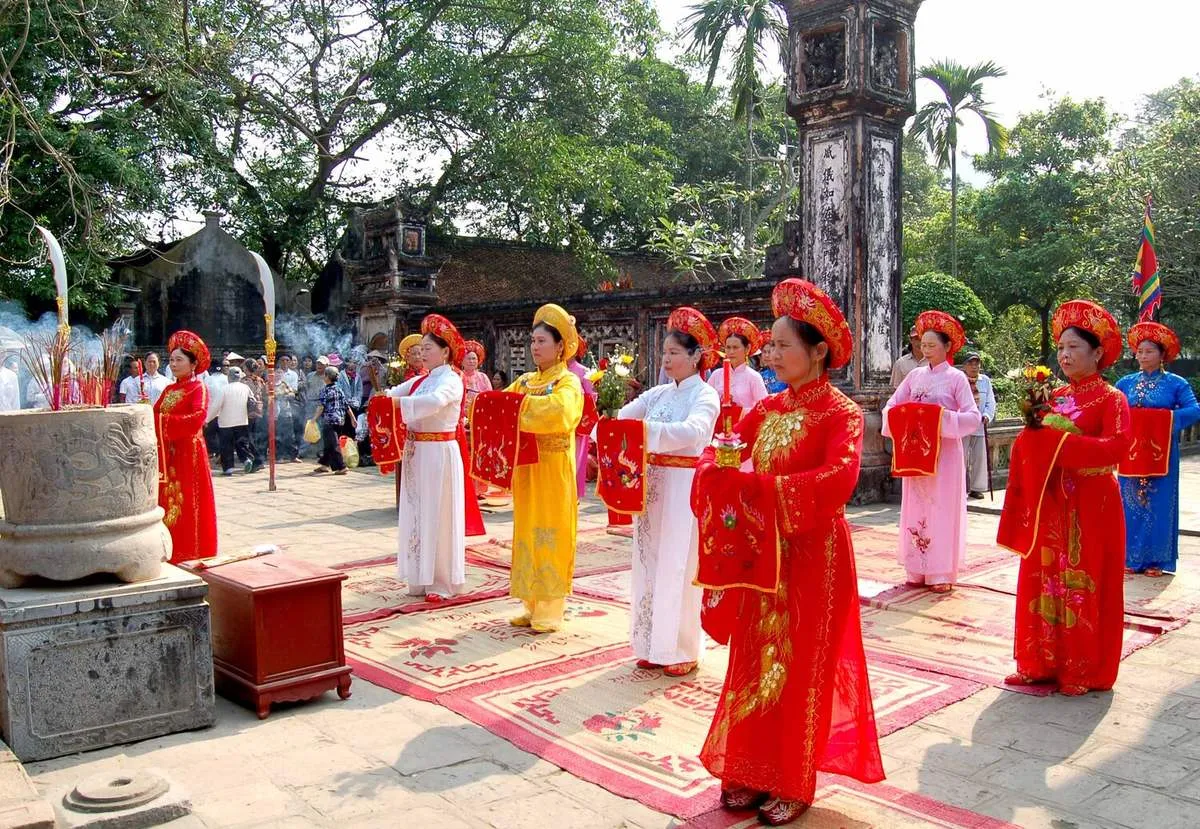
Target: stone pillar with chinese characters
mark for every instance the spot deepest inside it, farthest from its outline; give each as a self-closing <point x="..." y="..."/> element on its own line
<point x="850" y="89"/>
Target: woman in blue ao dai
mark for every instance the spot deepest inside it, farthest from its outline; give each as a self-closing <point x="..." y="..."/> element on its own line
<point x="1152" y="504"/>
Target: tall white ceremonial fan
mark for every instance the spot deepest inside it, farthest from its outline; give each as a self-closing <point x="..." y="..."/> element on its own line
<point x="60" y="277"/>
<point x="268" y="289"/>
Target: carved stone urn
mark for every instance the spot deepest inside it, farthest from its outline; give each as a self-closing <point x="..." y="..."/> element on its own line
<point x="80" y="490"/>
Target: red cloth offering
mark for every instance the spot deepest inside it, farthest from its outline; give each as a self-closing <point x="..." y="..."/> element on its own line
<point x="591" y="416"/>
<point x="621" y="451"/>
<point x="497" y="445"/>
<point x="1034" y="454"/>
<point x="387" y="432"/>
<point x="916" y="437"/>
<point x="1150" y="453"/>
<point x="739" y="539"/>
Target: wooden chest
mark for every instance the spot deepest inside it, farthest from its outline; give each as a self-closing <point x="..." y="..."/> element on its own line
<point x="276" y="631"/>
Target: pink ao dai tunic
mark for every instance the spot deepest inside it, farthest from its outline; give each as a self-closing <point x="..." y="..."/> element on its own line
<point x="933" y="513"/>
<point x="582" y="442"/>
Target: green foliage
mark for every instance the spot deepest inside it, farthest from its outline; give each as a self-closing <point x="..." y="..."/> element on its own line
<point x="1038" y="220"/>
<point x="942" y="292"/>
<point x="91" y="106"/>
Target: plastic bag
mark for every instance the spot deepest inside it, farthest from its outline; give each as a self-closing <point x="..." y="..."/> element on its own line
<point x="362" y="431"/>
<point x="349" y="452"/>
<point x="312" y="434"/>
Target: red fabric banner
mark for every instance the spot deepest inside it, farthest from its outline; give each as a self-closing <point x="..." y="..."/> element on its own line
<point x="496" y="442"/>
<point x="916" y="439"/>
<point x="621" y="452"/>
<point x="1150" y="451"/>
<point x="739" y="539"/>
<point x="1034" y="454"/>
<point x="591" y="416"/>
<point x="387" y="432"/>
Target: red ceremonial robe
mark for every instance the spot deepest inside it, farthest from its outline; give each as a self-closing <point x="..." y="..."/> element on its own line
<point x="796" y="699"/>
<point x="185" y="490"/>
<point x="473" y="517"/>
<point x="1070" y="588"/>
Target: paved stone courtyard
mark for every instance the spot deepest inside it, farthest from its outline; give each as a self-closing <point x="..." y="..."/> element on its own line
<point x="1126" y="759"/>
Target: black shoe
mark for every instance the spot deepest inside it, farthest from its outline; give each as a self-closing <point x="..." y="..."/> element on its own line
<point x="975" y="496"/>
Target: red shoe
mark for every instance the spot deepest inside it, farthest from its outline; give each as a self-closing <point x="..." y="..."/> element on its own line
<point x="647" y="665"/>
<point x="740" y="799"/>
<point x="434" y="598"/>
<point x="1020" y="679"/>
<point x="680" y="669"/>
<point x="776" y="812"/>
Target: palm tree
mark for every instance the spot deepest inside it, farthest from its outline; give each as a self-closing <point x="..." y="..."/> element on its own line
<point x="755" y="23"/>
<point x="938" y="122"/>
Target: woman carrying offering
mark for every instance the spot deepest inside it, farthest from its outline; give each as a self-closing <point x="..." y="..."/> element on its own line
<point x="1152" y="501"/>
<point x="185" y="490"/>
<point x="933" y="511"/>
<point x="679" y="417"/>
<point x="475" y="381"/>
<point x="432" y="524"/>
<point x="545" y="502"/>
<point x="796" y="699"/>
<point x="741" y="385"/>
<point x="1062" y="515"/>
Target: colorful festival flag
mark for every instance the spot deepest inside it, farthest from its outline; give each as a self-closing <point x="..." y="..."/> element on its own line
<point x="1146" y="284"/>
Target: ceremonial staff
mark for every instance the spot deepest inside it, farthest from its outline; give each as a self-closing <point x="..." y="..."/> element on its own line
<point x="987" y="453"/>
<point x="268" y="289"/>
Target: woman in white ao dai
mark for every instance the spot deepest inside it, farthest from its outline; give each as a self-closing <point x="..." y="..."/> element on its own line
<point x="680" y="416"/>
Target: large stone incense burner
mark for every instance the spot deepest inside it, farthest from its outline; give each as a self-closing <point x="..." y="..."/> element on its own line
<point x="80" y="495"/>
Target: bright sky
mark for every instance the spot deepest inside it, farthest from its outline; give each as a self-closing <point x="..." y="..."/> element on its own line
<point x="1081" y="48"/>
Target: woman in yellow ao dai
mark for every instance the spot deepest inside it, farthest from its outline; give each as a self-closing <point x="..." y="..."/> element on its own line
<point x="545" y="502"/>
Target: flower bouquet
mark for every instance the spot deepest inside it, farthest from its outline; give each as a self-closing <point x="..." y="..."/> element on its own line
<point x="396" y="369"/>
<point x="613" y="377"/>
<point x="1038" y="383"/>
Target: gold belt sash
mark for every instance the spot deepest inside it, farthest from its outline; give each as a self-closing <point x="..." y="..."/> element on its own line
<point x="560" y="442"/>
<point x="421" y="437"/>
<point x="1095" y="471"/>
<point x="672" y="461"/>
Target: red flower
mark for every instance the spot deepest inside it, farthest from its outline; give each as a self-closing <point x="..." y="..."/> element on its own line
<point x="1042" y="376"/>
<point x="599" y="723"/>
<point x="604" y="364"/>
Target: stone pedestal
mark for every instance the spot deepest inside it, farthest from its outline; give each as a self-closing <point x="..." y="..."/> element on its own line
<point x="94" y="665"/>
<point x="850" y="89"/>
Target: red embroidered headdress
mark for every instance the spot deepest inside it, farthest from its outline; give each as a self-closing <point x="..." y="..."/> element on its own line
<point x="474" y="347"/>
<point x="1155" y="332"/>
<point x="742" y="327"/>
<point x="1081" y="313"/>
<point x="442" y="328"/>
<point x="801" y="300"/>
<point x="190" y="341"/>
<point x="696" y="325"/>
<point x="943" y="323"/>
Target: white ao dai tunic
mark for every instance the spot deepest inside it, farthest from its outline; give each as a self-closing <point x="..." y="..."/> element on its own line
<point x="666" y="605"/>
<point x="432" y="551"/>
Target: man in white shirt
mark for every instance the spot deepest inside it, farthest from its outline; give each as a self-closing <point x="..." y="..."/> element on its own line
<point x="147" y="388"/>
<point x="908" y="360"/>
<point x="232" y="415"/>
<point x="10" y="386"/>
<point x="975" y="446"/>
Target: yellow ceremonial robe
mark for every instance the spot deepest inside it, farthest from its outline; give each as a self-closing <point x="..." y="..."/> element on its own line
<point x="545" y="502"/>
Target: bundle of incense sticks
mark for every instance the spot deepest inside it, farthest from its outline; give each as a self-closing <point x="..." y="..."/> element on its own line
<point x="47" y="358"/>
<point x="112" y="349"/>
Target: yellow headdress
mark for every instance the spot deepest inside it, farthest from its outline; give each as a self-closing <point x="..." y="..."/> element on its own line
<point x="557" y="318"/>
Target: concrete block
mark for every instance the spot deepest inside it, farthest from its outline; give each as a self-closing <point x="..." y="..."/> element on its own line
<point x="121" y="800"/>
<point x="89" y="666"/>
